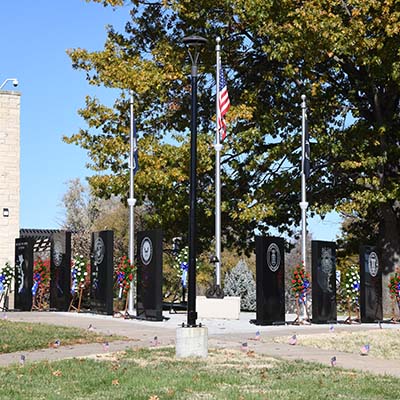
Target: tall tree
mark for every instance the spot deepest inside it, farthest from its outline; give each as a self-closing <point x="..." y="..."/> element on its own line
<point x="343" y="54"/>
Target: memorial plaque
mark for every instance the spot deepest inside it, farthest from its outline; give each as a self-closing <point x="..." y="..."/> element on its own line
<point x="102" y="272"/>
<point x="370" y="285"/>
<point x="149" y="275"/>
<point x="270" y="280"/>
<point x="323" y="282"/>
<point x="23" y="273"/>
<point x="60" y="271"/>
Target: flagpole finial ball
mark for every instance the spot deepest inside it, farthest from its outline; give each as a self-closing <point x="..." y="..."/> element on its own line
<point x="303" y="97"/>
<point x="218" y="40"/>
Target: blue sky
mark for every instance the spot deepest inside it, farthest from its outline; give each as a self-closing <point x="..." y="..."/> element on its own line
<point x="35" y="36"/>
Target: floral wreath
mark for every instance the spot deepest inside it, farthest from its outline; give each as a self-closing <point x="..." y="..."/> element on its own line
<point x="125" y="271"/>
<point x="301" y="285"/>
<point x="394" y="285"/>
<point x="6" y="276"/>
<point x="181" y="265"/>
<point x="351" y="284"/>
<point x="78" y="273"/>
<point x="41" y="275"/>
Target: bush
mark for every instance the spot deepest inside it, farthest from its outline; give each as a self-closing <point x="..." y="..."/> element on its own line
<point x="240" y="282"/>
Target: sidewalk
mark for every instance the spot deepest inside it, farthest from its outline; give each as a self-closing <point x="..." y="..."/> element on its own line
<point x="222" y="334"/>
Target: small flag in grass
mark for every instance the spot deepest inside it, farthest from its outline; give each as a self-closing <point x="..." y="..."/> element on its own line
<point x="331" y="328"/>
<point x="154" y="342"/>
<point x="333" y="361"/>
<point x="22" y="360"/>
<point x="293" y="340"/>
<point x="56" y="344"/>
<point x="364" y="350"/>
<point x="258" y="336"/>
<point x="244" y="347"/>
<point x="106" y="346"/>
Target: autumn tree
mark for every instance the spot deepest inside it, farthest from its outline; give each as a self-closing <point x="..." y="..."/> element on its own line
<point x="342" y="54"/>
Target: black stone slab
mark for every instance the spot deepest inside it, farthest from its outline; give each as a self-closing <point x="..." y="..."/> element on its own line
<point x="323" y="282"/>
<point x="149" y="303"/>
<point x="270" y="281"/>
<point x="23" y="273"/>
<point x="370" y="285"/>
<point x="60" y="271"/>
<point x="102" y="272"/>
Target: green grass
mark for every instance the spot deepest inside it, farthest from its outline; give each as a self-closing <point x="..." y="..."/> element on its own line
<point x="17" y="336"/>
<point x="156" y="374"/>
<point x="384" y="343"/>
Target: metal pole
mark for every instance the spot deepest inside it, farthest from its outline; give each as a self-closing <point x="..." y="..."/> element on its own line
<point x="192" y="314"/>
<point x="303" y="203"/>
<point x="131" y="203"/>
<point x="218" y="148"/>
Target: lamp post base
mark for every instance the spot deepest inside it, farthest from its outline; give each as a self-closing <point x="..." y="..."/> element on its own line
<point x="215" y="292"/>
<point x="191" y="342"/>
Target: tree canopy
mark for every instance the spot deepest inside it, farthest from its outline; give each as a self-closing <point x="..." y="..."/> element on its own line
<point x="342" y="54"/>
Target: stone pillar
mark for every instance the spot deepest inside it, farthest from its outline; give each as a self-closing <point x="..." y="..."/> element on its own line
<point x="9" y="175"/>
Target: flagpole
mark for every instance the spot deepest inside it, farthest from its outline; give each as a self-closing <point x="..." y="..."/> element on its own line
<point x="131" y="203"/>
<point x="303" y="203"/>
<point x="218" y="148"/>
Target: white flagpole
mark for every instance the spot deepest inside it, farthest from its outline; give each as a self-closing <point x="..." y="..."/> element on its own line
<point x="131" y="203"/>
<point x="303" y="203"/>
<point x="218" y="148"/>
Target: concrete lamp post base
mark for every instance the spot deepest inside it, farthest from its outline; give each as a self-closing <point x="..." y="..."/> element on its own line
<point x="191" y="342"/>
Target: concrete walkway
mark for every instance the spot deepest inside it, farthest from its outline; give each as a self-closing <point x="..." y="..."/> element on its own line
<point x="222" y="334"/>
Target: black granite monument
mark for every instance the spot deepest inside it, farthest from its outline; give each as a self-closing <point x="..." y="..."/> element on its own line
<point x="102" y="272"/>
<point x="149" y="275"/>
<point x="370" y="285"/>
<point x="23" y="273"/>
<point x="60" y="271"/>
<point x="270" y="280"/>
<point x="324" y="282"/>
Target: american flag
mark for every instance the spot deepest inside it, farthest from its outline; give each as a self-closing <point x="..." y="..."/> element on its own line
<point x="22" y="360"/>
<point x="333" y="361"/>
<point x="106" y="346"/>
<point x="244" y="347"/>
<point x="258" y="336"/>
<point x="364" y="350"/>
<point x="293" y="340"/>
<point x="223" y="104"/>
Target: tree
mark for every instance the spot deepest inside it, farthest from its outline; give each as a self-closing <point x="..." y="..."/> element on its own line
<point x="240" y="282"/>
<point x="343" y="54"/>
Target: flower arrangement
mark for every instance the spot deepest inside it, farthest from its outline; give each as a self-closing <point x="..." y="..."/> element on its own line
<point x="181" y="265"/>
<point x="351" y="284"/>
<point x="301" y="285"/>
<point x="6" y="276"/>
<point x="125" y="272"/>
<point x="394" y="286"/>
<point x="41" y="275"/>
<point x="79" y="273"/>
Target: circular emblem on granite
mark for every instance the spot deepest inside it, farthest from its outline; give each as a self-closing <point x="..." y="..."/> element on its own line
<point x="99" y="250"/>
<point x="273" y="257"/>
<point x="57" y="253"/>
<point x="373" y="263"/>
<point x="146" y="251"/>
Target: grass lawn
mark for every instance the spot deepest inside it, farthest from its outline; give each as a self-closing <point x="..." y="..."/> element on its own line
<point x="155" y="374"/>
<point x="384" y="343"/>
<point x="17" y="336"/>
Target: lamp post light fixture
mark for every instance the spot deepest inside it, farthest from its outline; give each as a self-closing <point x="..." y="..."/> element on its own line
<point x="193" y="44"/>
<point x="13" y="80"/>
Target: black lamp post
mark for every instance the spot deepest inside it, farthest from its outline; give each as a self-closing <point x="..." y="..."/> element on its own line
<point x="193" y="44"/>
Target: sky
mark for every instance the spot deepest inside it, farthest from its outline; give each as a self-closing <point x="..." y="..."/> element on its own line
<point x="35" y="36"/>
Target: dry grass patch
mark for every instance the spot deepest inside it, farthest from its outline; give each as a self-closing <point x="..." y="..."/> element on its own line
<point x="384" y="343"/>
